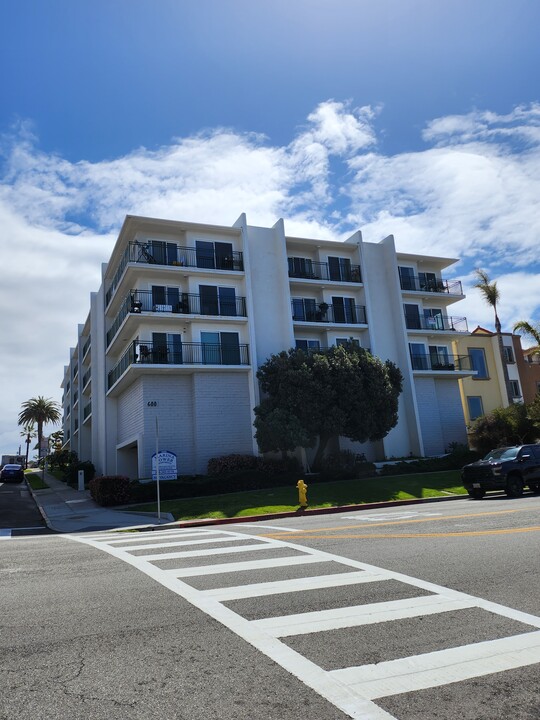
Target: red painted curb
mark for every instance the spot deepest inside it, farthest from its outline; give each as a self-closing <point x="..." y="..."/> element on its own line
<point x="316" y="511"/>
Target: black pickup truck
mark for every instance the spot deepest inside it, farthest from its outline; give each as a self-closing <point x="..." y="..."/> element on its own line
<point x="506" y="468"/>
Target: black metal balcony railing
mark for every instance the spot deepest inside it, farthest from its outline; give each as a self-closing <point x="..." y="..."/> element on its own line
<point x="420" y="283"/>
<point x="312" y="270"/>
<point x="149" y="353"/>
<point x="440" y="361"/>
<point x="185" y="303"/>
<point x="437" y="322"/>
<point x="324" y="313"/>
<point x="175" y="255"/>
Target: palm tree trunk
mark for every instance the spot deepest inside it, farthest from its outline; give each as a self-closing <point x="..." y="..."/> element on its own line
<point x="503" y="360"/>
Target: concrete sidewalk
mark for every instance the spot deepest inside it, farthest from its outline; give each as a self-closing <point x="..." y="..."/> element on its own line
<point x="67" y="510"/>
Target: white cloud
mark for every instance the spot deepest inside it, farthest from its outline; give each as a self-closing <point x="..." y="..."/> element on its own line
<point x="472" y="194"/>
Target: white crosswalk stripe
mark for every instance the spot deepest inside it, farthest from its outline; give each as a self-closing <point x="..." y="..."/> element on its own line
<point x="351" y="689"/>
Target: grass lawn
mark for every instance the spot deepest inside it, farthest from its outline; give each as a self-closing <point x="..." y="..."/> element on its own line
<point x="35" y="481"/>
<point x="320" y="495"/>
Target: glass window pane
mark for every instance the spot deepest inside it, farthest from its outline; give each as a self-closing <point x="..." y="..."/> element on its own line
<point x="227" y="301"/>
<point x="205" y="254"/>
<point x="478" y="361"/>
<point x="476" y="409"/>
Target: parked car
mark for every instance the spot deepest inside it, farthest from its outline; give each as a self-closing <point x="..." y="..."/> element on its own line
<point x="12" y="473"/>
<point x="507" y="468"/>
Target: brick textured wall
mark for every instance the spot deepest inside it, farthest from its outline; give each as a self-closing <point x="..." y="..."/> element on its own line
<point x="130" y="418"/>
<point x="222" y="417"/>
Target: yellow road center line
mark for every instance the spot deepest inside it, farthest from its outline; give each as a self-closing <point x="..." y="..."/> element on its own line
<point x="396" y="522"/>
<point x="349" y="536"/>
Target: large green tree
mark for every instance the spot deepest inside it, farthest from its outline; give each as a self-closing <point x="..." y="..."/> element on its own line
<point x="513" y="425"/>
<point x="39" y="411"/>
<point x="339" y="391"/>
<point x="492" y="296"/>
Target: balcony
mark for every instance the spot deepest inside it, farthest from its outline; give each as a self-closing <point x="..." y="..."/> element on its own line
<point x="86" y="346"/>
<point x="437" y="323"/>
<point x="87" y="411"/>
<point x="420" y="283"/>
<point x="311" y="270"/>
<point x="139" y="301"/>
<point x="151" y="354"/>
<point x="441" y="362"/>
<point x="86" y="378"/>
<point x="309" y="311"/>
<point x="171" y="254"/>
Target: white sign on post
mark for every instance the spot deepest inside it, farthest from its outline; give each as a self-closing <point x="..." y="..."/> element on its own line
<point x="167" y="466"/>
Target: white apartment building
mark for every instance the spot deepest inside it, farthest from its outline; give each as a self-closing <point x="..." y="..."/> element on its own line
<point x="187" y="312"/>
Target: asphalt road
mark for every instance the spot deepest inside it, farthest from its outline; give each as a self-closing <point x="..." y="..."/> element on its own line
<point x="18" y="512"/>
<point x="184" y="624"/>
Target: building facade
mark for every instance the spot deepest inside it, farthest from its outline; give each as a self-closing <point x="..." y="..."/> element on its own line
<point x="187" y="312"/>
<point x="530" y="374"/>
<point x="486" y="389"/>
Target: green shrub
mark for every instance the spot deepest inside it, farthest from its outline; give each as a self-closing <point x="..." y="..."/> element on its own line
<point x="455" y="460"/>
<point x="231" y="463"/>
<point x="344" y="465"/>
<point x="109" y="490"/>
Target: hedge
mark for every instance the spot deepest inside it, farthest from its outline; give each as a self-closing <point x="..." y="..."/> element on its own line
<point x="109" y="490"/>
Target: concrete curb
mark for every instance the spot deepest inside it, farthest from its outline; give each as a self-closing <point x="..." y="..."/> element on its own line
<point x="205" y="522"/>
<point x="39" y="507"/>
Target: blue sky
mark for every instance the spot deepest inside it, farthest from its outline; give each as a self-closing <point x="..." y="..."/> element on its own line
<point x="419" y="118"/>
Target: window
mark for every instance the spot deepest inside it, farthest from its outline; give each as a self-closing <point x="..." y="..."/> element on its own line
<point x="339" y="268"/>
<point x="419" y="359"/>
<point x="344" y="310"/>
<point x="308" y="345"/>
<point x="217" y="300"/>
<point x="438" y="354"/>
<point x="478" y="362"/>
<point x="412" y="316"/>
<point x="476" y="408"/>
<point x="214" y="255"/>
<point x="166" y="348"/>
<point x="161" y="253"/>
<point x="220" y="348"/>
<point x="304" y="309"/>
<point x="434" y="319"/>
<point x="407" y="279"/>
<point x="347" y="341"/>
<point x="428" y="281"/>
<point x="508" y="354"/>
<point x="301" y="267"/>
<point x="165" y="299"/>
<point x="515" y="389"/>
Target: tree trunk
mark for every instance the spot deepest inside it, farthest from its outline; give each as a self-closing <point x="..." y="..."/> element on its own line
<point x="323" y="442"/>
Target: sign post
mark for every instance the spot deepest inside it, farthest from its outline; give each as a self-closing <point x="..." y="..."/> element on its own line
<point x="157" y="474"/>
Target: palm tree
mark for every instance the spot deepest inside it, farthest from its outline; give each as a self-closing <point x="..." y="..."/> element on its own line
<point x="28" y="432"/>
<point x="491" y="294"/>
<point x="41" y="411"/>
<point x="530" y="331"/>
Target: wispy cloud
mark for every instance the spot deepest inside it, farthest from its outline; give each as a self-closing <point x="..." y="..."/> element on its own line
<point x="472" y="193"/>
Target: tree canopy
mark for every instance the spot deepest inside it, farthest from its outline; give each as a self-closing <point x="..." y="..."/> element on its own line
<point x="513" y="425"/>
<point x="41" y="411"/>
<point x="339" y="391"/>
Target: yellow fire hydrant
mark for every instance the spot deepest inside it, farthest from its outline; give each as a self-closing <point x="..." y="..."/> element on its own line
<point x="302" y="493"/>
